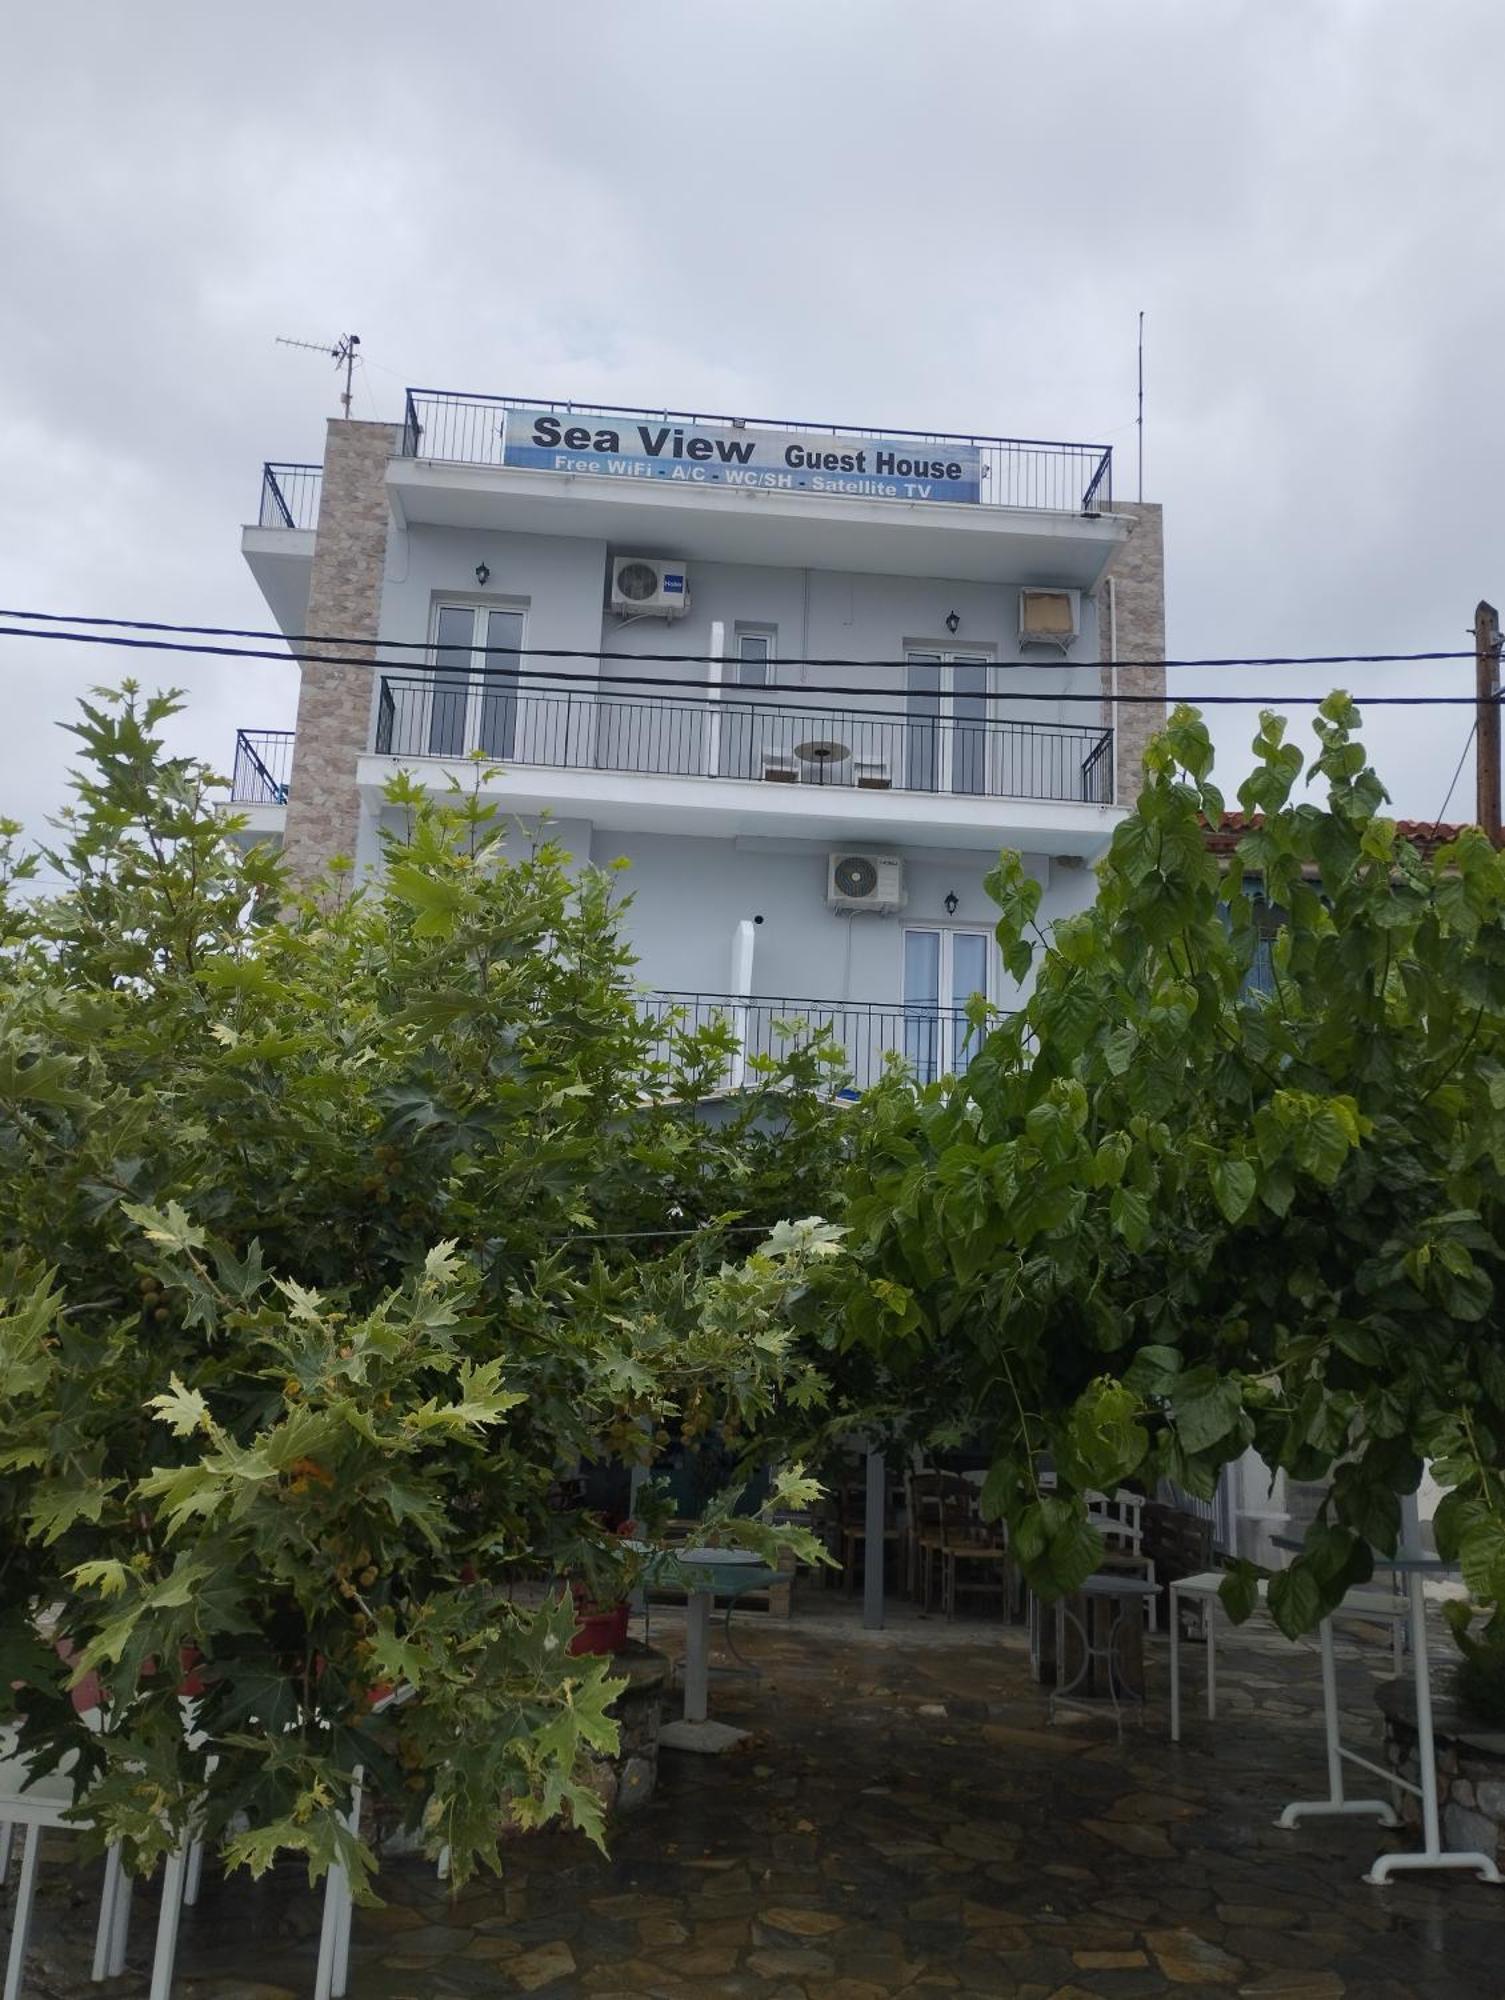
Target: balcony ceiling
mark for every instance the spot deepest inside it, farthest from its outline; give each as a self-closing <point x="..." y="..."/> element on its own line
<point x="282" y="562"/>
<point x="731" y="808"/>
<point x="954" y="542"/>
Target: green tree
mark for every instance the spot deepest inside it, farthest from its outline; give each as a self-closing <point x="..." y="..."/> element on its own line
<point x="1164" y="1215"/>
<point x="335" y="1232"/>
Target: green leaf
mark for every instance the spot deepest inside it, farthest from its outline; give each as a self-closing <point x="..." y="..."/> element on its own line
<point x="183" y="1410"/>
<point x="1234" y="1184"/>
<point x="1207" y="1408"/>
<point x="1240" y="1591"/>
<point x="1129" y="1214"/>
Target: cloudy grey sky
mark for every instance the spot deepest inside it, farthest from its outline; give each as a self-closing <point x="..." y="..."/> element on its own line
<point x="870" y="211"/>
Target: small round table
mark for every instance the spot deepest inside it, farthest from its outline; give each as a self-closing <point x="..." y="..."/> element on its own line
<point x="821" y="752"/>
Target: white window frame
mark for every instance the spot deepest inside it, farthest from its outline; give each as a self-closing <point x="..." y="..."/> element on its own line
<point x="480" y="610"/>
<point x="769" y="635"/>
<point x="947" y="658"/>
<point x="947" y="1003"/>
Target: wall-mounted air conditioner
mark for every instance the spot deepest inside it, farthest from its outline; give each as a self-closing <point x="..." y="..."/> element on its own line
<point x="644" y="586"/>
<point x="865" y="882"/>
<point x="1049" y="617"/>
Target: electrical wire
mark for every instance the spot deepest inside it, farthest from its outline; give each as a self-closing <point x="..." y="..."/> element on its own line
<point x="730" y="693"/>
<point x="1468" y="743"/>
<point x="696" y="659"/>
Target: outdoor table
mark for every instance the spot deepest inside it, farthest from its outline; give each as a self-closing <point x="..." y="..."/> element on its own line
<point x="709" y="1574"/>
<point x="1119" y="1592"/>
<point x="1432" y="1854"/>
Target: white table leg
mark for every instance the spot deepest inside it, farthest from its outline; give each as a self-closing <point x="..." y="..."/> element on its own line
<point x="1432" y="1854"/>
<point x="1210" y="1634"/>
<point x="104" y="1930"/>
<point x="6" y="1832"/>
<point x="26" y="1889"/>
<point x="341" y="1973"/>
<point x="194" y="1874"/>
<point x="697" y="1655"/>
<point x="1335" y="1805"/>
<point x="120" y="1923"/>
<point x="167" y="1925"/>
<point x="1175" y="1666"/>
<point x="329" y="1932"/>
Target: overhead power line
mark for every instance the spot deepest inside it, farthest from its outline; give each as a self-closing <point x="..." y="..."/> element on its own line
<point x="693" y="659"/>
<point x="683" y="691"/>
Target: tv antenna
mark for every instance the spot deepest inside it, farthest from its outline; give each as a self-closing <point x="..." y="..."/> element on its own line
<point x="342" y="354"/>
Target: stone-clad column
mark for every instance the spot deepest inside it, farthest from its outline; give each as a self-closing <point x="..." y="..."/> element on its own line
<point x="344" y="598"/>
<point x="1138" y="574"/>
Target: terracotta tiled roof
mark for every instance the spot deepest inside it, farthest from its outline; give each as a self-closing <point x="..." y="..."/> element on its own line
<point x="1226" y="835"/>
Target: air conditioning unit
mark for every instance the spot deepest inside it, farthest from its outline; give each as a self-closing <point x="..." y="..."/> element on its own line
<point x="1049" y="617"/>
<point x="873" y="882"/>
<point x="645" y="586"/>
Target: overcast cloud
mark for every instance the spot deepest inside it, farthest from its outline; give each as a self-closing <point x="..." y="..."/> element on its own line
<point x="869" y="211"/>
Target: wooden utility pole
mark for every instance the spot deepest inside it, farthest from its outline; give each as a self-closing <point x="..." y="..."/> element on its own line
<point x="1487" y="696"/>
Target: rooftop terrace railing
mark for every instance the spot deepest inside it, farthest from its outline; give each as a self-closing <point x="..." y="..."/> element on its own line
<point x="459" y="428"/>
<point x="905" y="748"/>
<point x="290" y="496"/>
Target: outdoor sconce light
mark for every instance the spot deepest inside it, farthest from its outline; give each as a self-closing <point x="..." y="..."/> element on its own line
<point x="953" y="620"/>
<point x="482" y="574"/>
<point x="952" y="901"/>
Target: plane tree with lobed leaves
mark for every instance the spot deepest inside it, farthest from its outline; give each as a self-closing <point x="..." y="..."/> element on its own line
<point x="335" y="1233"/>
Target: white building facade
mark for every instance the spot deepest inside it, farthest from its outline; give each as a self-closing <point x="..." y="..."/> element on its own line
<point x="807" y="681"/>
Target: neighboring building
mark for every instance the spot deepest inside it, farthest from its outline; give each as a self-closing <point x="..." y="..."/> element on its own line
<point x="804" y="824"/>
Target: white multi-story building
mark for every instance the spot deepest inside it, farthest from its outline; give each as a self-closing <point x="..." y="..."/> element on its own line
<point x="807" y="680"/>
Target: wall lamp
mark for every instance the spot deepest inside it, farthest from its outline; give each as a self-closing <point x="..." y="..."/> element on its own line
<point x="953" y="902"/>
<point x="482" y="574"/>
<point x="953" y="620"/>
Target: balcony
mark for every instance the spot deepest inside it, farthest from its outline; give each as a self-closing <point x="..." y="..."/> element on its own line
<point x="279" y="544"/>
<point x="444" y="426"/>
<point x="901" y="743"/>
<point x="1026" y="510"/>
<point x="290" y="496"/>
<point x="263" y="764"/>
<point x="931" y="1041"/>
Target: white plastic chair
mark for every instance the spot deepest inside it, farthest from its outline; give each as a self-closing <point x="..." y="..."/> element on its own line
<point x="41" y="1803"/>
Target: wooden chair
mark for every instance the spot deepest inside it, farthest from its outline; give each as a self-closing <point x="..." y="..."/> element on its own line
<point x="924" y="1539"/>
<point x="852" y="1519"/>
<point x="974" y="1553"/>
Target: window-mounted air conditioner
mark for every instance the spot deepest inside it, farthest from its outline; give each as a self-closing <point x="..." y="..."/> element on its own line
<point x="645" y="586"/>
<point x="1049" y="617"/>
<point x="856" y="882"/>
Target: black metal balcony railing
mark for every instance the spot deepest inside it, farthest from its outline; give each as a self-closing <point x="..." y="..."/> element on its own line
<point x="906" y="747"/>
<point x="263" y="764"/>
<point x="932" y="1041"/>
<point x="463" y="429"/>
<point x="290" y="496"/>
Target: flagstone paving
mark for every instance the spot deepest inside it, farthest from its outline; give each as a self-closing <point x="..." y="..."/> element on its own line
<point x="902" y="1820"/>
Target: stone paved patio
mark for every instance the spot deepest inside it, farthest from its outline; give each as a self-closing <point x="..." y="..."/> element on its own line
<point x="902" y="1821"/>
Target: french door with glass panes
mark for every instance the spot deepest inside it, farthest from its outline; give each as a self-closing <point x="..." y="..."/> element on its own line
<point x="743" y="732"/>
<point x="943" y="969"/>
<point x="946" y="712"/>
<point x="473" y="697"/>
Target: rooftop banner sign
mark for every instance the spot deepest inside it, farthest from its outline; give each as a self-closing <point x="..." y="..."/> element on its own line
<point x="692" y="454"/>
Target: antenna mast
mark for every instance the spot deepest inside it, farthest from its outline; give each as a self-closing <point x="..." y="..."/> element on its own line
<point x="342" y="354"/>
<point x="1140" y="418"/>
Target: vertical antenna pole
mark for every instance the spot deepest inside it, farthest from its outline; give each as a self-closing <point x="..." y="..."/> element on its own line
<point x="351" y="342"/>
<point x="1487" y="740"/>
<point x="1140" y="419"/>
